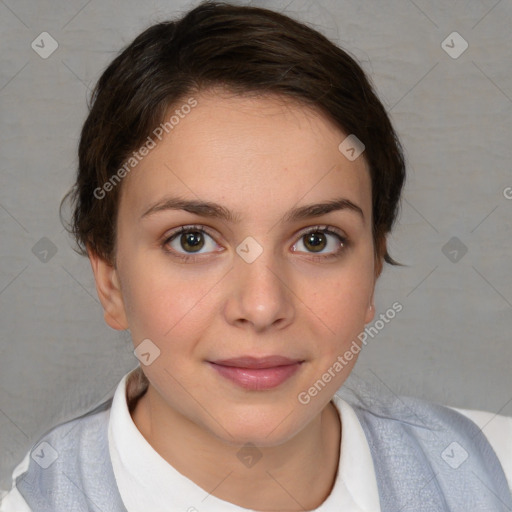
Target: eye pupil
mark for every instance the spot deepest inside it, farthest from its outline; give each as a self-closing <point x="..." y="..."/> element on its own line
<point x="316" y="240"/>
<point x="193" y="240"/>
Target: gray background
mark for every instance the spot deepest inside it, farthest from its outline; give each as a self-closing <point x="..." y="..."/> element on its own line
<point x="450" y="344"/>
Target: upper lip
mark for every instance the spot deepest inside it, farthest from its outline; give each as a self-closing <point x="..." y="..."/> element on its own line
<point x="257" y="362"/>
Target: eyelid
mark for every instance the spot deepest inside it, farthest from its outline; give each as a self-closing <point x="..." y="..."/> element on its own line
<point x="333" y="231"/>
<point x="322" y="227"/>
<point x="186" y="228"/>
<point x="206" y="229"/>
<point x="202" y="228"/>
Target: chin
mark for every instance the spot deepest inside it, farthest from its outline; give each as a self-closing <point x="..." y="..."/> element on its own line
<point x="258" y="429"/>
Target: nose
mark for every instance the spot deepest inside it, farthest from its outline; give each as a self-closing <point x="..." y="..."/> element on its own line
<point x="261" y="295"/>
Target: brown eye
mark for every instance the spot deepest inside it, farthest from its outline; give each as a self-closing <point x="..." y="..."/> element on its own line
<point x="315" y="241"/>
<point x="318" y="239"/>
<point x="192" y="241"/>
<point x="189" y="240"/>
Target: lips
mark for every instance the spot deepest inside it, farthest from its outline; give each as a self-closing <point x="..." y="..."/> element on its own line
<point x="257" y="373"/>
<point x="257" y="362"/>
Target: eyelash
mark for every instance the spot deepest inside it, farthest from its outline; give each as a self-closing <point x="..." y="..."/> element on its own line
<point x="199" y="228"/>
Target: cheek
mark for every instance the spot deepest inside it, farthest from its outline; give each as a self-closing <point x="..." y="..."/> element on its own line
<point x="339" y="303"/>
<point x="342" y="313"/>
<point x="160" y="303"/>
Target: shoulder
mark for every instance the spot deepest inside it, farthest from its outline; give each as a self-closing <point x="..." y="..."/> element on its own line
<point x="414" y="440"/>
<point x="419" y="415"/>
<point x="492" y="424"/>
<point x="376" y="403"/>
<point x="70" y="438"/>
<point x="12" y="501"/>
<point x="498" y="431"/>
<point x="418" y="422"/>
<point x="64" y="454"/>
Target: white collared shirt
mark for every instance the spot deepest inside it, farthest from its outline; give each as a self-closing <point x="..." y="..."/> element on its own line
<point x="146" y="481"/>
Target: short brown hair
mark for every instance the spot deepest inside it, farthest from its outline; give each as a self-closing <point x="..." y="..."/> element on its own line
<point x="246" y="50"/>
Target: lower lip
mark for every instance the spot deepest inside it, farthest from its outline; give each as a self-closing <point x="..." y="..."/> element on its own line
<point x="257" y="378"/>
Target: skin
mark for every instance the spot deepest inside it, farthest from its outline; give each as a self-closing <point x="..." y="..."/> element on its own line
<point x="258" y="157"/>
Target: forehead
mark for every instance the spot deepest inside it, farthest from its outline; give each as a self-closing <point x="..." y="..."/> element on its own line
<point x="245" y="152"/>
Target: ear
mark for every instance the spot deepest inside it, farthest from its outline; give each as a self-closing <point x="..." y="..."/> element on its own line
<point x="370" y="311"/>
<point x="109" y="291"/>
<point x="379" y="262"/>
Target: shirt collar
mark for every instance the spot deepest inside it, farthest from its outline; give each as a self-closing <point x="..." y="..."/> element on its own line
<point x="146" y="481"/>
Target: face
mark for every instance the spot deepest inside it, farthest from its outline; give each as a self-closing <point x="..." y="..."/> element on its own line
<point x="249" y="298"/>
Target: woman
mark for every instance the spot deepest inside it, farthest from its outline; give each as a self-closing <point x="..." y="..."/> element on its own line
<point x="237" y="180"/>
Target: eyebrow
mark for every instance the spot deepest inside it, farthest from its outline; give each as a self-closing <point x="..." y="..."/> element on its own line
<point x="215" y="210"/>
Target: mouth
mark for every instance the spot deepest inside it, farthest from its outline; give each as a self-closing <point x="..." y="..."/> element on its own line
<point x="255" y="373"/>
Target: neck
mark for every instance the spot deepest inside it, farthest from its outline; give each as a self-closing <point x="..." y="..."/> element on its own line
<point x="296" y="475"/>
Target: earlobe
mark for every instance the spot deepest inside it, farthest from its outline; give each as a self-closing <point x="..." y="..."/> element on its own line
<point x="370" y="312"/>
<point x="109" y="291"/>
<point x="379" y="261"/>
